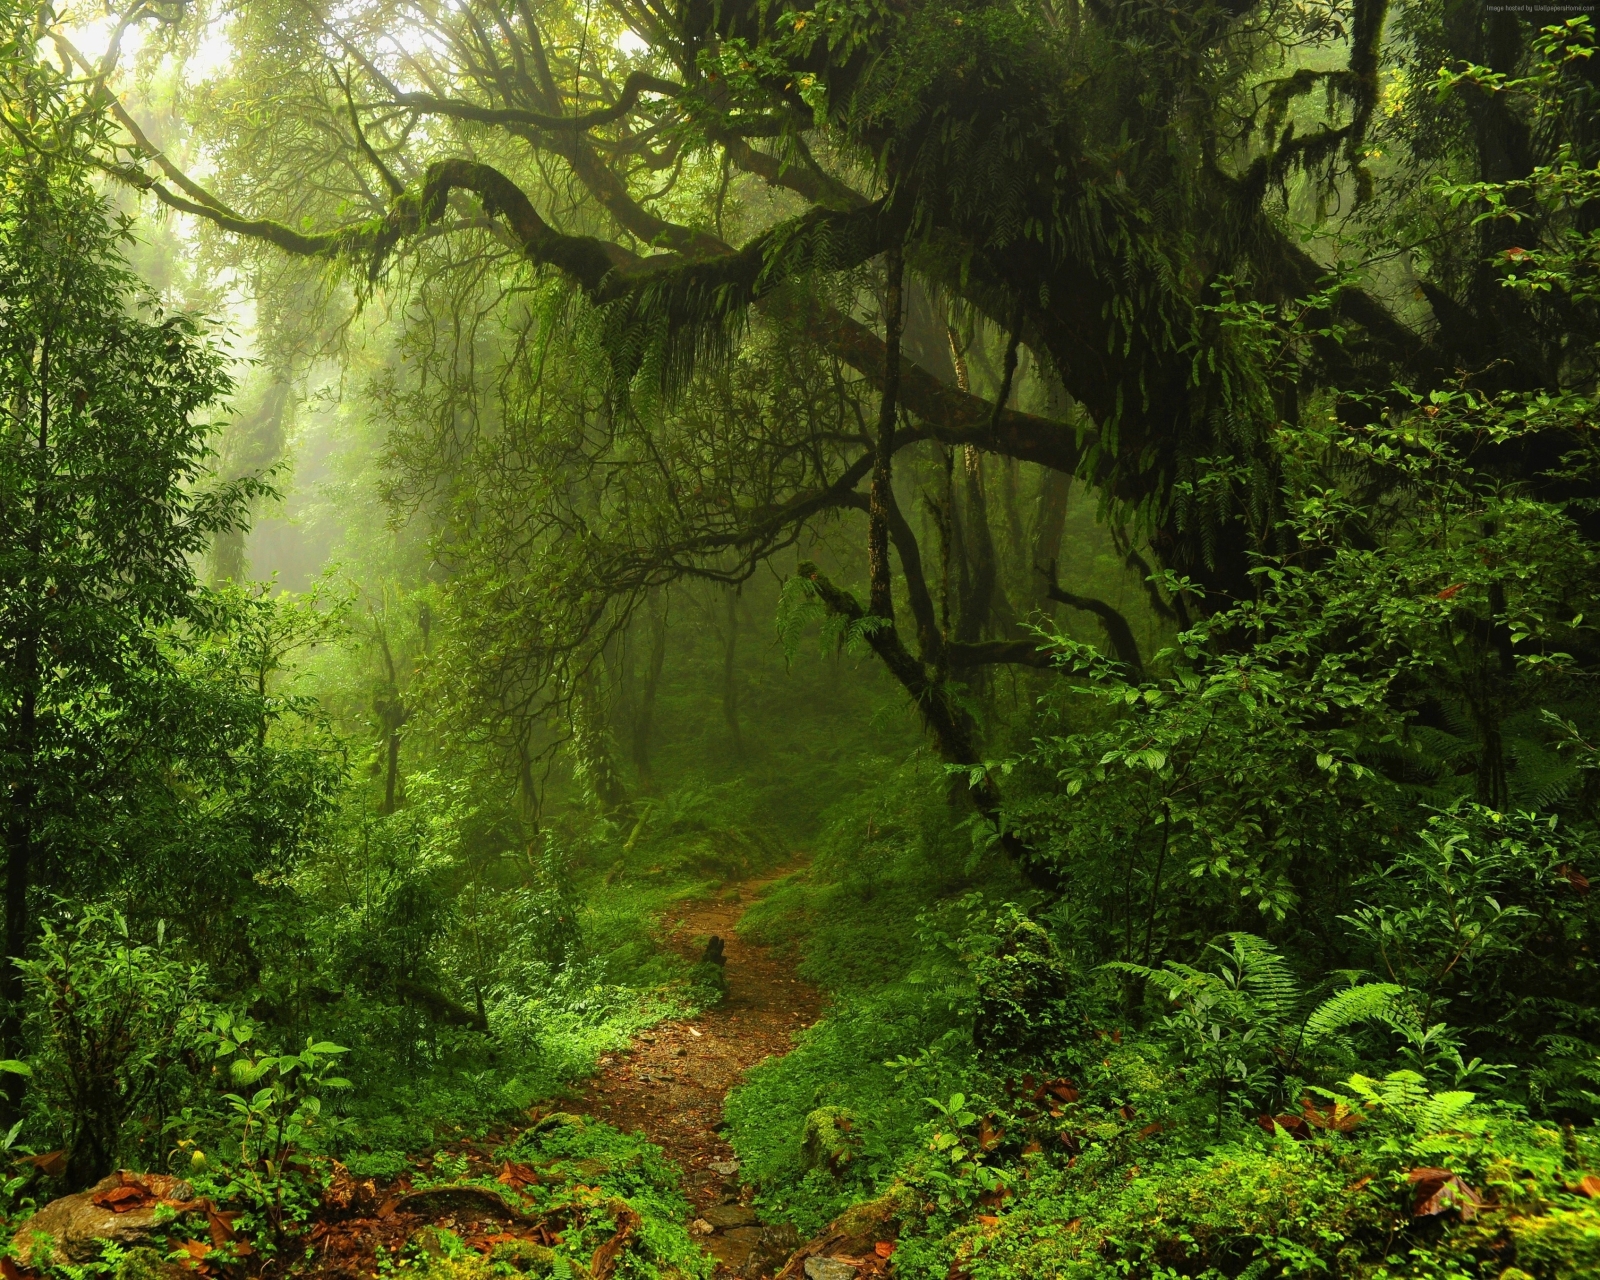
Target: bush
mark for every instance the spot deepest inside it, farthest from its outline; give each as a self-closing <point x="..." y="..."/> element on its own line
<point x="115" y="1022"/>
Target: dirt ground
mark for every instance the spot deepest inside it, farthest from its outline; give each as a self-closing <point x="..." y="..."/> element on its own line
<point x="671" y="1084"/>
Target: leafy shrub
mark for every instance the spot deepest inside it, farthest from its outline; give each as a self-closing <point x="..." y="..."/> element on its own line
<point x="116" y="1022"/>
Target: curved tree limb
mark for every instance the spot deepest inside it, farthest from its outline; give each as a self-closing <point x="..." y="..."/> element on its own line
<point x="637" y="83"/>
<point x="1118" y="632"/>
<point x="951" y="726"/>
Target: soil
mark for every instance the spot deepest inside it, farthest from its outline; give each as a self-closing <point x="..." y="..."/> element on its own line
<point x="671" y="1083"/>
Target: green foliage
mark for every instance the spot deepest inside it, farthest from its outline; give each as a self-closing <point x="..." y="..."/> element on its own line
<point x="593" y="1165"/>
<point x="1244" y="1027"/>
<point x="116" y="1021"/>
<point x="1022" y="987"/>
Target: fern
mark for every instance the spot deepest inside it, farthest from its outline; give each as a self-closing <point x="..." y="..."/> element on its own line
<point x="1442" y="1110"/>
<point x="1349" y="1007"/>
<point x="1263" y="975"/>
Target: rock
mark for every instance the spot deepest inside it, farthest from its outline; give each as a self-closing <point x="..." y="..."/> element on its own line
<point x="431" y="1240"/>
<point x="700" y="1227"/>
<point x="556" y="1120"/>
<point x="74" y="1227"/>
<point x="727" y="1168"/>
<point x="725" y="1217"/>
<point x="776" y="1244"/>
<point x="525" y="1256"/>
<point x="145" y="1263"/>
<point x="734" y="1248"/>
<point x="829" y="1140"/>
<point x="821" y="1268"/>
<point x="436" y="1202"/>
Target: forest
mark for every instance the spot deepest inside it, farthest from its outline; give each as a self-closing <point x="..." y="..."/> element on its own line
<point x="918" y="639"/>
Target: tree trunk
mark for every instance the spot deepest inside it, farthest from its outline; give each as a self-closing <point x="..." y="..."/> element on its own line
<point x="1049" y="525"/>
<point x="25" y="786"/>
<point x="730" y="671"/>
<point x="642" y="700"/>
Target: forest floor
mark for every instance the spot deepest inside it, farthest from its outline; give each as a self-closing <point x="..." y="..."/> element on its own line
<point x="670" y="1084"/>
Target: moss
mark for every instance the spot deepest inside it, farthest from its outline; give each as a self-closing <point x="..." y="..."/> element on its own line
<point x="830" y="1139"/>
<point x="1563" y="1244"/>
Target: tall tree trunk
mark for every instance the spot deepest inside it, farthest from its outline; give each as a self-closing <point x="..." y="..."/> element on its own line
<point x="593" y="762"/>
<point x="730" y="671"/>
<point x="879" y="571"/>
<point x="1049" y="525"/>
<point x="642" y="698"/>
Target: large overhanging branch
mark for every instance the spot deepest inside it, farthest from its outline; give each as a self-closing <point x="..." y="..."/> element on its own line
<point x="670" y="284"/>
<point x="633" y="87"/>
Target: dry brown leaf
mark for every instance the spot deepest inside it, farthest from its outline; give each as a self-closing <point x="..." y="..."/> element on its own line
<point x="52" y="1163"/>
<point x="605" y="1257"/>
<point x="1439" y="1191"/>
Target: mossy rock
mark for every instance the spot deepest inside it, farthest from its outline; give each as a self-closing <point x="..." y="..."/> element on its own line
<point x="865" y="1223"/>
<point x="557" y="1120"/>
<point x="525" y="1256"/>
<point x="830" y="1139"/>
<point x="145" y="1263"/>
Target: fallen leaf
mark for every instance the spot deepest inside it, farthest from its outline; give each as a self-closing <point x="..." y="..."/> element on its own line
<point x="1333" y="1116"/>
<point x="10" y="1270"/>
<point x="988" y="1220"/>
<point x="1588" y="1185"/>
<point x="52" y="1163"/>
<point x="1578" y="881"/>
<point x="122" y="1199"/>
<point x="884" y="1248"/>
<point x="990" y="1135"/>
<point x="220" y="1226"/>
<point x="1449" y="592"/>
<point x="1150" y="1130"/>
<point x="1294" y="1126"/>
<point x="1439" y="1191"/>
<point x="604" y="1261"/>
<point x="1063" y="1089"/>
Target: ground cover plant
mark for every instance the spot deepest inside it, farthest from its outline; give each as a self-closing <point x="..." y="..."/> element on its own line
<point x="950" y="638"/>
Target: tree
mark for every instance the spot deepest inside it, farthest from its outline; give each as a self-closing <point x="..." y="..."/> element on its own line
<point x="104" y="505"/>
<point x="1085" y="184"/>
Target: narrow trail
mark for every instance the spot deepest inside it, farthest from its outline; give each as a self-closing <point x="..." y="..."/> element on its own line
<point x="671" y="1083"/>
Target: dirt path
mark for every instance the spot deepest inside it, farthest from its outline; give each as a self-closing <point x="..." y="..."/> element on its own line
<point x="672" y="1082"/>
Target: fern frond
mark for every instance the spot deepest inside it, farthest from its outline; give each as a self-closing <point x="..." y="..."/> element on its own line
<point x="1442" y="1108"/>
<point x="1263" y="975"/>
<point x="1348" y="1007"/>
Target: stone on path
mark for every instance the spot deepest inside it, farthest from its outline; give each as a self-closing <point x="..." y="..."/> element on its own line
<point x="822" y="1268"/>
<point x="727" y="1216"/>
